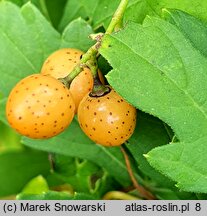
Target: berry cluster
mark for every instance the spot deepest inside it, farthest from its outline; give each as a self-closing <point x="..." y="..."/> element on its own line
<point x="40" y="106"/>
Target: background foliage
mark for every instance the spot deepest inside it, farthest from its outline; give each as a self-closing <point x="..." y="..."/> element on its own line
<point x="163" y="65"/>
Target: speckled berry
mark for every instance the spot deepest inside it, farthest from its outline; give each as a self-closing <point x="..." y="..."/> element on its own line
<point x="40" y="106"/>
<point x="107" y="120"/>
<point x="60" y="63"/>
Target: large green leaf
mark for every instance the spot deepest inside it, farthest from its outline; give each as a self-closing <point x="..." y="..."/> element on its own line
<point x="167" y="78"/>
<point x="197" y="8"/>
<point x="26" y="40"/>
<point x="100" y="12"/>
<point x="76" y="35"/>
<point x="73" y="142"/>
<point x="189" y="26"/>
<point x="18" y="167"/>
<point x="150" y="133"/>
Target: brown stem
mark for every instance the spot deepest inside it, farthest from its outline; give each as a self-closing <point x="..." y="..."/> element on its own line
<point x="142" y="191"/>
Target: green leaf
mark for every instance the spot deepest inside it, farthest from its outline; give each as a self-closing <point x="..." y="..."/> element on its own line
<point x="74" y="143"/>
<point x="76" y="35"/>
<point x="149" y="134"/>
<point x="167" y="78"/>
<point x="37" y="185"/>
<point x="185" y="23"/>
<point x="196" y="8"/>
<point x="18" y="167"/>
<point x="2" y="111"/>
<point x="100" y="12"/>
<point x="24" y="49"/>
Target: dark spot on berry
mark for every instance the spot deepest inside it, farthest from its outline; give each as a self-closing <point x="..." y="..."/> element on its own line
<point x="75" y="62"/>
<point x="128" y="111"/>
<point x="55" y="121"/>
<point x="40" y="84"/>
<point x="122" y="137"/>
<point x="38" y="101"/>
<point x="86" y="125"/>
<point x="101" y="120"/>
<point x="16" y="91"/>
<point x="85" y="73"/>
<point x="35" y="129"/>
<point x="87" y="107"/>
<point x="56" y="89"/>
<point x="42" y="124"/>
<point x="108" y="98"/>
<point x="70" y="106"/>
<point x="94" y="128"/>
<point x="115" y="138"/>
<point x="94" y="113"/>
<point x="48" y="113"/>
<point x="49" y="101"/>
<point x="109" y="132"/>
<point x="76" y="53"/>
<point x="123" y="122"/>
<point x="70" y="59"/>
<point x="122" y="100"/>
<point x="61" y="98"/>
<point x="90" y="135"/>
<point x="44" y="136"/>
<point x="67" y="52"/>
<point x="68" y="95"/>
<point x="118" y="101"/>
<point x="44" y="105"/>
<point x="27" y="89"/>
<point x="98" y="100"/>
<point x="127" y="114"/>
<point x="36" y="124"/>
<point x="110" y="113"/>
<point x="62" y="114"/>
<point x="117" y="128"/>
<point x="33" y="94"/>
<point x="62" y="128"/>
<point x="32" y="113"/>
<point x="55" y="126"/>
<point x="47" y="85"/>
<point x="36" y="77"/>
<point x="29" y="107"/>
<point x="112" y="122"/>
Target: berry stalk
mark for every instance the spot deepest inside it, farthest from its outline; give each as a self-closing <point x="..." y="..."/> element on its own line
<point x="89" y="58"/>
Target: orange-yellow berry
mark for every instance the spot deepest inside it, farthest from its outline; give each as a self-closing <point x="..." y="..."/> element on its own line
<point x="107" y="120"/>
<point x="60" y="63"/>
<point x="40" y="106"/>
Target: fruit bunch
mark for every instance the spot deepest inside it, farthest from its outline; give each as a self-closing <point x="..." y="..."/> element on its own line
<point x="40" y="106"/>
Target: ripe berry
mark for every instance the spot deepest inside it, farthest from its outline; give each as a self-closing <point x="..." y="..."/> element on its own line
<point x="39" y="106"/>
<point x="60" y="63"/>
<point x="107" y="120"/>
